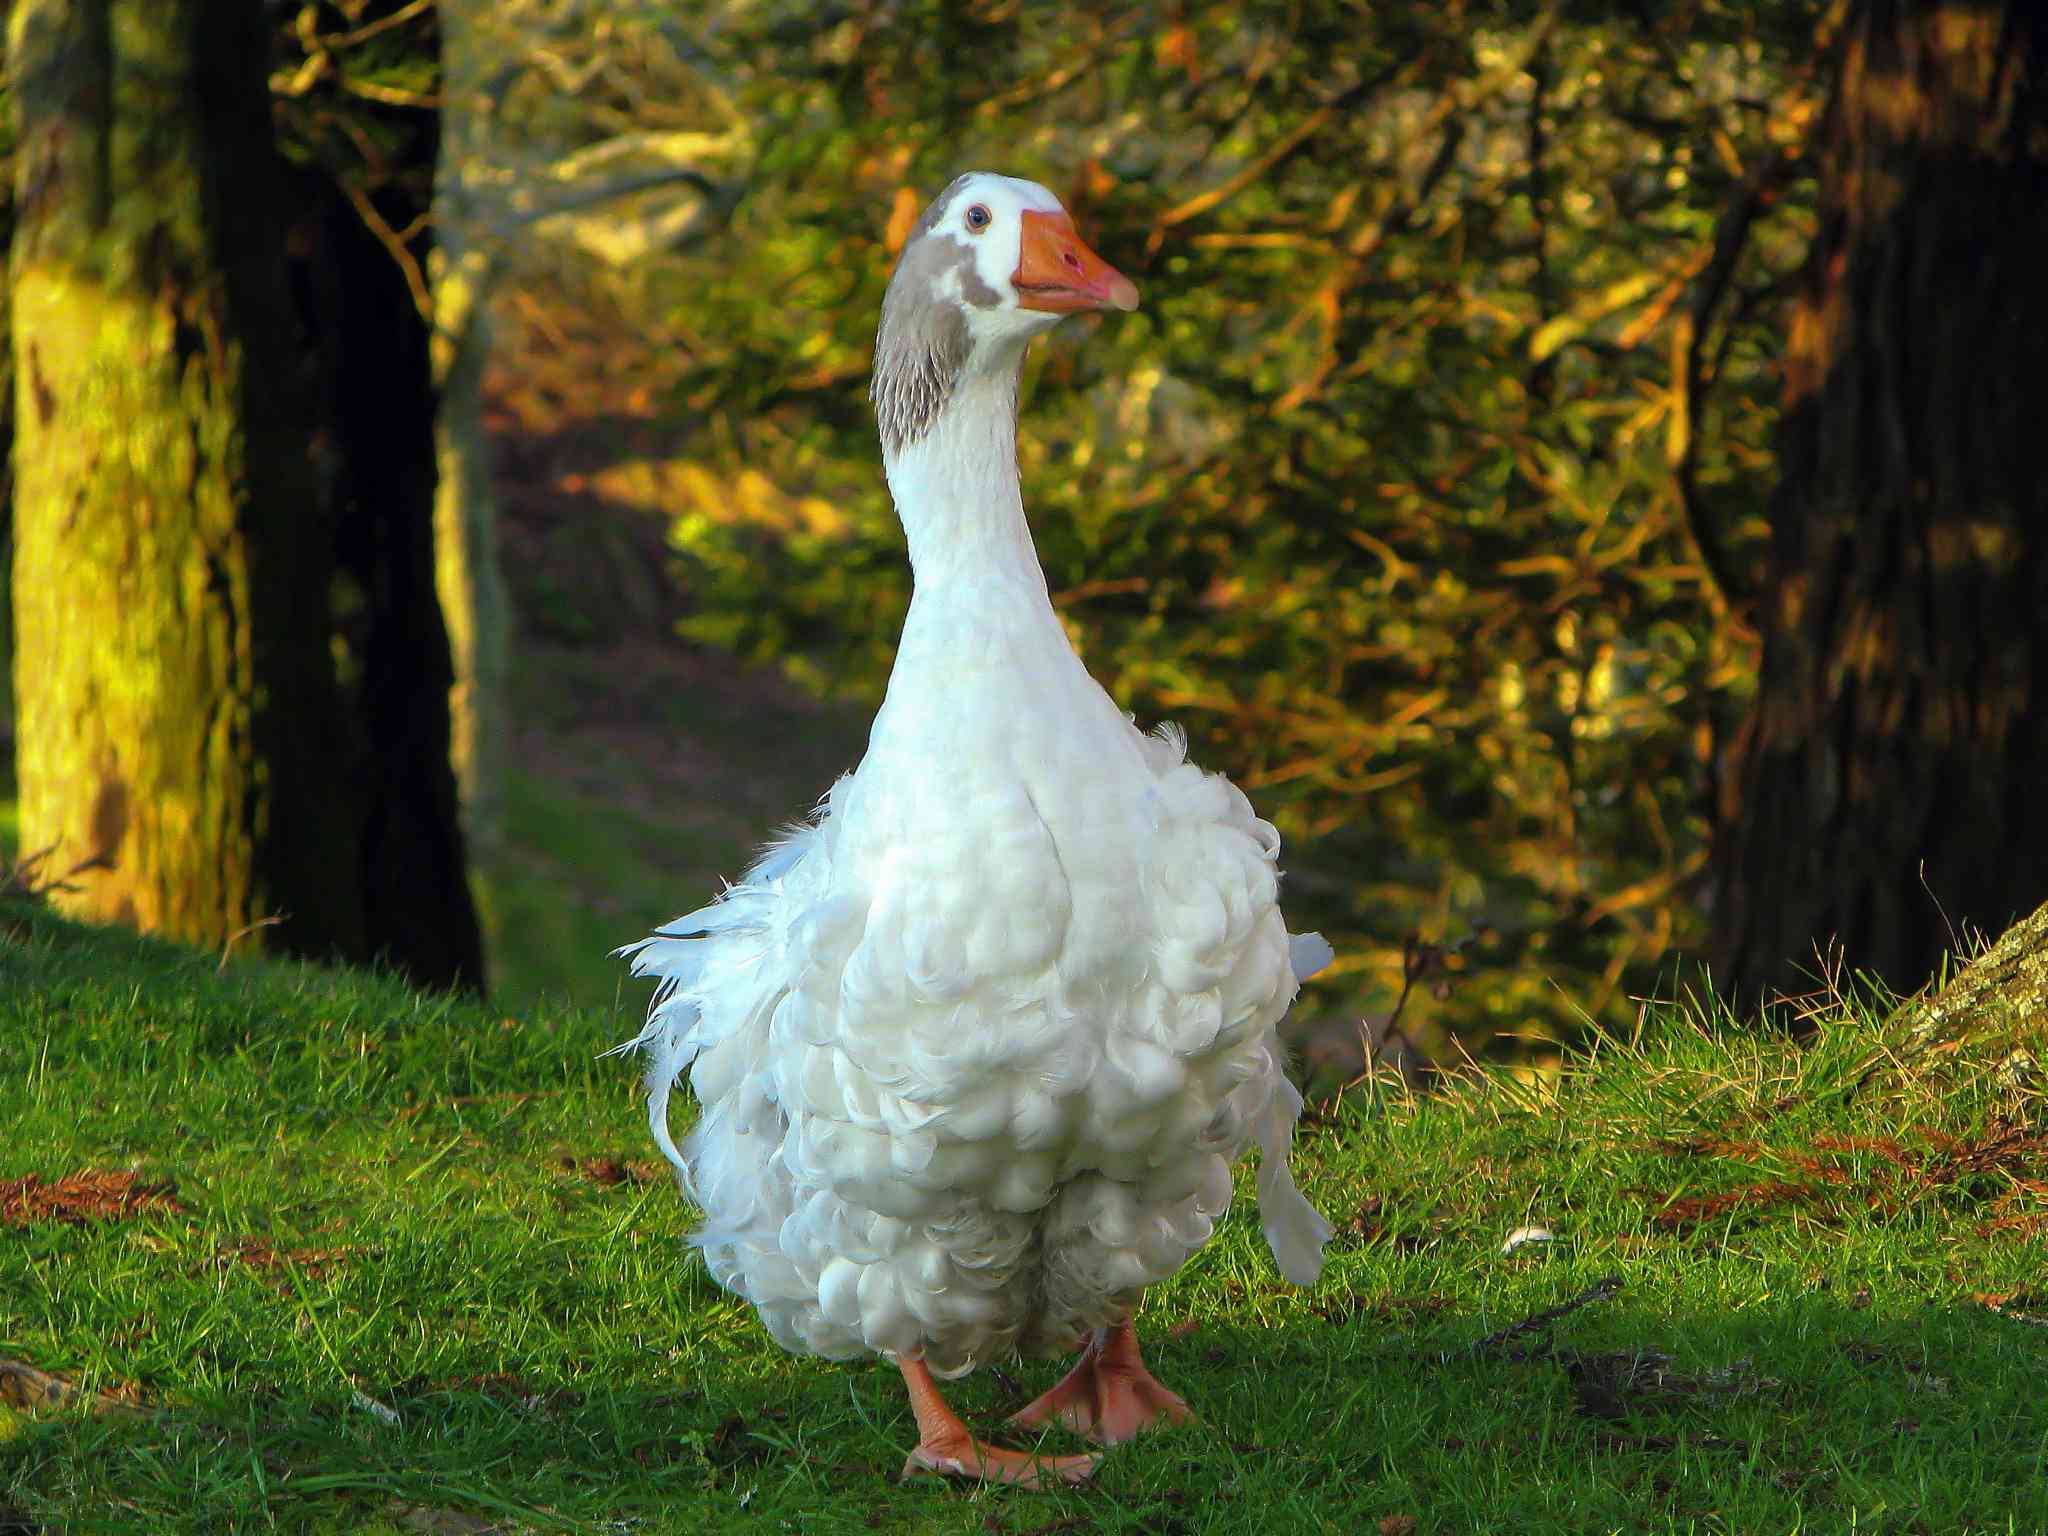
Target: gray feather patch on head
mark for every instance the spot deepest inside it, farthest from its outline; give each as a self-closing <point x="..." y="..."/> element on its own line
<point x="924" y="342"/>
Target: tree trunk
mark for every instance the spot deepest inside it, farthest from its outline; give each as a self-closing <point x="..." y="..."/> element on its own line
<point x="409" y="865"/>
<point x="363" y="232"/>
<point x="218" y="497"/>
<point x="1887" y="787"/>
<point x="467" y="574"/>
<point x="6" y="479"/>
<point x="174" y="686"/>
<point x="2002" y="994"/>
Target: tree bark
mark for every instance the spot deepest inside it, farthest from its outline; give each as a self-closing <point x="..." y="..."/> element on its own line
<point x="6" y="466"/>
<point x="2002" y="992"/>
<point x="231" y="668"/>
<point x="174" y="687"/>
<point x="1886" y="793"/>
<point x="409" y="863"/>
<point x="466" y="569"/>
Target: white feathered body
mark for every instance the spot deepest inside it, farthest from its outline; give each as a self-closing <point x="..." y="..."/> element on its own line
<point x="975" y="1052"/>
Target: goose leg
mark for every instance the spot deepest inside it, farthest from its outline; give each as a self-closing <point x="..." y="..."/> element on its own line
<point x="944" y="1446"/>
<point x="1108" y="1395"/>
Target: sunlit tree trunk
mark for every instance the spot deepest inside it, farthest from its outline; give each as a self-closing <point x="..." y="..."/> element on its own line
<point x="1888" y="785"/>
<point x="219" y="499"/>
<point x="6" y="464"/>
<point x="471" y="585"/>
<point x="2004" y="988"/>
<point x="173" y="679"/>
<point x="466" y="570"/>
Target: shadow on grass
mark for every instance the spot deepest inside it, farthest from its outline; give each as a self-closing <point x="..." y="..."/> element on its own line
<point x="1805" y="1409"/>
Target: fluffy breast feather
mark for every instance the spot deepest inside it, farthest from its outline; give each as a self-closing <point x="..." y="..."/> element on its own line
<point x="973" y="1086"/>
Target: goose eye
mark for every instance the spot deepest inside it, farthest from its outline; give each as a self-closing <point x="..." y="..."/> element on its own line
<point x="977" y="217"/>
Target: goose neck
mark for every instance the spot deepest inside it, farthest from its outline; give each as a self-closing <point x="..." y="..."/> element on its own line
<point x="957" y="492"/>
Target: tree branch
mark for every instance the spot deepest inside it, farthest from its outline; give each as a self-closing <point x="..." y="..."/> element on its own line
<point x="1290" y="142"/>
<point x="1601" y="1290"/>
<point x="415" y="280"/>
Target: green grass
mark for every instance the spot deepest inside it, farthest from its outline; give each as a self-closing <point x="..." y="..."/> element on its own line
<point x="638" y="787"/>
<point x="580" y="876"/>
<point x="1802" y="1256"/>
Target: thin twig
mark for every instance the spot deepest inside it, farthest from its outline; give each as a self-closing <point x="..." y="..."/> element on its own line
<point x="1603" y="1290"/>
<point x="1756" y="193"/>
<point x="415" y="280"/>
<point x="389" y="95"/>
<point x="1365" y="242"/>
<point x="575" y="199"/>
<point x="1336" y="107"/>
<point x="23" y="876"/>
<point x="364" y="33"/>
<point x="228" y="947"/>
<point x="1418" y="959"/>
<point x="1370" y="1049"/>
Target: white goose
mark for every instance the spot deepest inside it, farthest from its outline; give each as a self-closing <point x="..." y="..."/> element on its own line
<point x="977" y="1047"/>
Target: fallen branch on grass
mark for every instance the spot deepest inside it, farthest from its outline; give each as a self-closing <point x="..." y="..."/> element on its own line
<point x="1611" y="1384"/>
<point x="1490" y="1346"/>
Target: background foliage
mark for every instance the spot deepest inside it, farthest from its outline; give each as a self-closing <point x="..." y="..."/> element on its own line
<point x="1426" y="489"/>
<point x="1415" y="488"/>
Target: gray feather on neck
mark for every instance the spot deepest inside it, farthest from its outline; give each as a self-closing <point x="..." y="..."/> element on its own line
<point x="924" y="342"/>
<point x="919" y="352"/>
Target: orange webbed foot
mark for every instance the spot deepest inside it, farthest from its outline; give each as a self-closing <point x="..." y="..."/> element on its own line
<point x="945" y="1448"/>
<point x="1109" y="1395"/>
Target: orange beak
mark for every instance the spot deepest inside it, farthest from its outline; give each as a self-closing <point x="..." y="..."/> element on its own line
<point x="1058" y="274"/>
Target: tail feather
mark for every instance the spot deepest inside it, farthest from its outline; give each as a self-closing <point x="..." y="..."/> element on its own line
<point x="1295" y="1230"/>
<point x="712" y="987"/>
<point x="1308" y="953"/>
<point x="670" y="1056"/>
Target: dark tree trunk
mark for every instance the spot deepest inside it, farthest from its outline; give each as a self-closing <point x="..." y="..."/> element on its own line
<point x="360" y="248"/>
<point x="1888" y="789"/>
<point x="220" y="493"/>
<point x="410" y="867"/>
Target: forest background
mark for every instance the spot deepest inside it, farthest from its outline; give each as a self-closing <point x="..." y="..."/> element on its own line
<point x="1490" y="394"/>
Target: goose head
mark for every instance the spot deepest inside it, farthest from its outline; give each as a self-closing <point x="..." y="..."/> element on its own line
<point x="993" y="262"/>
